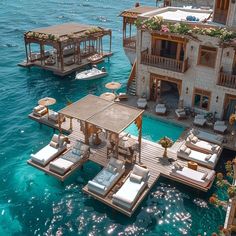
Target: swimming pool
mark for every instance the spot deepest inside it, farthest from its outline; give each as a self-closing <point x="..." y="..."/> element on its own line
<point x="154" y="129"/>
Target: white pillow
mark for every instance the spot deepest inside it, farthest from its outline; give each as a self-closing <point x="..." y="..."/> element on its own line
<point x="54" y="144"/>
<point x="207" y="158"/>
<point x="111" y="168"/>
<point x="204" y="176"/>
<point x="138" y="170"/>
<point x="183" y="148"/>
<point x="188" y="151"/>
<point x="194" y="139"/>
<point x="136" y="178"/>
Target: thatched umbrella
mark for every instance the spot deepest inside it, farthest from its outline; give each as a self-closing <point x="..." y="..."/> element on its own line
<point x="113" y="86"/>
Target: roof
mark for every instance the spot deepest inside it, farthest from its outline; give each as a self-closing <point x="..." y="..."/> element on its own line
<point x="63" y="29"/>
<point x="86" y="107"/>
<point x="107" y="115"/>
<point x="134" y="12"/>
<point x="179" y="14"/>
<point x="116" y="117"/>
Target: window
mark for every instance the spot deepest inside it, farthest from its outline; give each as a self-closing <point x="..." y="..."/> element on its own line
<point x="201" y="99"/>
<point x="207" y="56"/>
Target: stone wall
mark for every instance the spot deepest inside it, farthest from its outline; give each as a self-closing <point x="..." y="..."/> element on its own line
<point x="194" y="3"/>
<point x="197" y="76"/>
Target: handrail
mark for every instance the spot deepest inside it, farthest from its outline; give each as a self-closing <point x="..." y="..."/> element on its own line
<point x="227" y="80"/>
<point x="164" y="62"/>
<point x="132" y="74"/>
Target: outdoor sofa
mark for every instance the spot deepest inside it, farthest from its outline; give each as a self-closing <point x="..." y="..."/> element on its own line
<point x="199" y="120"/>
<point x="220" y="127"/>
<point x="107" y="177"/>
<point x="142" y="103"/>
<point x="160" y="109"/>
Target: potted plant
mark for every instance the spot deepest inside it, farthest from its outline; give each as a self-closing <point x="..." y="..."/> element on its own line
<point x="165" y="143"/>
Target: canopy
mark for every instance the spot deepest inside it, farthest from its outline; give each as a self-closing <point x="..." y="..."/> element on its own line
<point x="47" y="101"/>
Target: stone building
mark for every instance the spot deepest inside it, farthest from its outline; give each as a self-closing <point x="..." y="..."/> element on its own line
<point x="197" y="68"/>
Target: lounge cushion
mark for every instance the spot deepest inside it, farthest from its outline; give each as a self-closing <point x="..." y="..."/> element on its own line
<point x="54" y="144"/>
<point x="135" y="178"/>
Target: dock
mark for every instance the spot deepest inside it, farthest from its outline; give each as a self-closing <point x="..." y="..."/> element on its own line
<point x="151" y="158"/>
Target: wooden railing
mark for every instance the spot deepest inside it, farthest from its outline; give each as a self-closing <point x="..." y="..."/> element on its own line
<point x="164" y="62"/>
<point x="132" y="75"/>
<point x="227" y="80"/>
<point x="130" y="42"/>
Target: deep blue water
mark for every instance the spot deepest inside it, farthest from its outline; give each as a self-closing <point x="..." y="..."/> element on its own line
<point x="32" y="203"/>
<point x="154" y="129"/>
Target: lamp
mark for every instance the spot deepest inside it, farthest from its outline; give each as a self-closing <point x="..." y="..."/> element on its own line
<point x="187" y="90"/>
<point x="217" y="98"/>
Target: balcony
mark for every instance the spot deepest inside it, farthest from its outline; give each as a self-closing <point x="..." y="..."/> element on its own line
<point x="164" y="62"/>
<point x="227" y="80"/>
<point x="130" y="42"/>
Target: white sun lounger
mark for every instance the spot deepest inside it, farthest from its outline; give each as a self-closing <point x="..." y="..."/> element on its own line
<point x="213" y="138"/>
<point x="202" y="179"/>
<point x="220" y="127"/>
<point x="107" y="177"/>
<point x="49" y="152"/>
<point x="208" y="160"/>
<point x="134" y="185"/>
<point x="199" y="120"/>
<point x="70" y="158"/>
<point x="195" y="143"/>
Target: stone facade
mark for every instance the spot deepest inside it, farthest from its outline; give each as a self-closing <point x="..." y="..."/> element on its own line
<point x="197" y="76"/>
<point x="194" y="3"/>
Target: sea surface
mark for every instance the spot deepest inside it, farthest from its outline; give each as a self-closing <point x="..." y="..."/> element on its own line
<point x="32" y="203"/>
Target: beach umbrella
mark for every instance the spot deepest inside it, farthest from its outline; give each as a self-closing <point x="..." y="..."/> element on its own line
<point x="108" y="96"/>
<point x="113" y="85"/>
<point x="47" y="101"/>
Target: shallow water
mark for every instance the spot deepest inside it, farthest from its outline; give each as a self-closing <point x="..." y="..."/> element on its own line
<point x="32" y="203"/>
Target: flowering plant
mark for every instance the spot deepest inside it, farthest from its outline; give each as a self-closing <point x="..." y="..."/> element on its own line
<point x="165" y="143"/>
<point x="157" y="23"/>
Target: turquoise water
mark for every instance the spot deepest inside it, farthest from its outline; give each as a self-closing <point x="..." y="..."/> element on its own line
<point x="154" y="129"/>
<point x="32" y="203"/>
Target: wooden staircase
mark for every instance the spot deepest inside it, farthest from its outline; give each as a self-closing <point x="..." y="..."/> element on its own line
<point x="131" y="85"/>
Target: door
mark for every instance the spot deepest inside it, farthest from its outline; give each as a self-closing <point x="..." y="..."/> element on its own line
<point x="221" y="11"/>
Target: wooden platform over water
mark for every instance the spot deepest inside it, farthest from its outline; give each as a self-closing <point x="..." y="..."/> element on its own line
<point x="68" y="69"/>
<point x="151" y="158"/>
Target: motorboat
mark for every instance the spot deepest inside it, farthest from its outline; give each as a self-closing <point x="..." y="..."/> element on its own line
<point x="91" y="74"/>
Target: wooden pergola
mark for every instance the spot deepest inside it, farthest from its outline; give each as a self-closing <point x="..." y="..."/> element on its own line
<point x="129" y="18"/>
<point x="71" y="40"/>
<point x="96" y="113"/>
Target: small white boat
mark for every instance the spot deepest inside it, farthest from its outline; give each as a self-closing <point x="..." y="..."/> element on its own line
<point x="91" y="74"/>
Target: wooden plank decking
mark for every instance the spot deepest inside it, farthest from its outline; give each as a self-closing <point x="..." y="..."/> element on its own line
<point x="150" y="157"/>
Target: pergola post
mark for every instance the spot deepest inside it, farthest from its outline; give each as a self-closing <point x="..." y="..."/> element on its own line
<point x="86" y="138"/>
<point x="110" y="40"/>
<point x="117" y="145"/>
<point x="59" y="123"/>
<point x="71" y="123"/>
<point x="140" y="138"/>
<point x="26" y="51"/>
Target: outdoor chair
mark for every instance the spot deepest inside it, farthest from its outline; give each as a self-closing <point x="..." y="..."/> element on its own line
<point x="142" y="103"/>
<point x="199" y="120"/>
<point x="160" y="109"/>
<point x="220" y="127"/>
<point x="181" y="114"/>
<point x="40" y="110"/>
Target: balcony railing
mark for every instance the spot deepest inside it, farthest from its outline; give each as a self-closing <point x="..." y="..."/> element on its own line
<point x="130" y="42"/>
<point x="227" y="80"/>
<point x="164" y="62"/>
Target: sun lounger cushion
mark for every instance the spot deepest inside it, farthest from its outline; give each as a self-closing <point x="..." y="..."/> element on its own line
<point x="194" y="176"/>
<point x="202" y="146"/>
<point x="60" y="165"/>
<point x="46" y="154"/>
<point x="106" y="177"/>
<point x="209" y="160"/>
<point x="213" y="138"/>
<point x="129" y="192"/>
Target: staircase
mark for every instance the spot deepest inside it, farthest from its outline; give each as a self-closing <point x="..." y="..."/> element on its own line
<point x="131" y="85"/>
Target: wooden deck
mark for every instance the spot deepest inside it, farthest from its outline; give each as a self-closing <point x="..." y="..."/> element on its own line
<point x="151" y="158"/>
<point x="68" y="69"/>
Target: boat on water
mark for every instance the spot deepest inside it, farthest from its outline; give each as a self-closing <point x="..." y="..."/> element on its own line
<point x="91" y="74"/>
